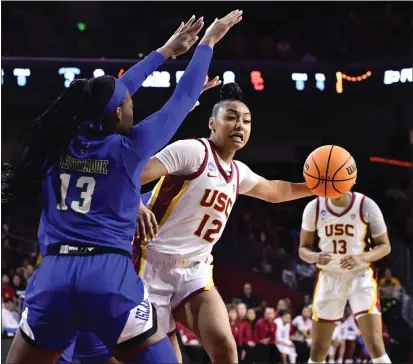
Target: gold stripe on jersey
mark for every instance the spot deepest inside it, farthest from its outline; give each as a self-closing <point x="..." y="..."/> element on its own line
<point x="373" y="305"/>
<point x="211" y="279"/>
<point x="155" y="193"/>
<point x="317" y="287"/>
<point x="173" y="203"/>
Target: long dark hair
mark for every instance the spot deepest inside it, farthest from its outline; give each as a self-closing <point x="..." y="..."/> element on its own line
<point x="49" y="135"/>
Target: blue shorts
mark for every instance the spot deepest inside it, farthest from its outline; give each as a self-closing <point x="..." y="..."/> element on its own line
<point x="100" y="294"/>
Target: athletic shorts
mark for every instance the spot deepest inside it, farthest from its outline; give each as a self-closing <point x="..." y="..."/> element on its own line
<point x="333" y="290"/>
<point x="171" y="282"/>
<point x="100" y="294"/>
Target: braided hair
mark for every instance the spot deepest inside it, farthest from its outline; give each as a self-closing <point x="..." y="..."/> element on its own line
<point x="49" y="135"/>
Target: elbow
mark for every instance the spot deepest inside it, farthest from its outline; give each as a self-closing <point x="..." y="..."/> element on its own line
<point x="388" y="249"/>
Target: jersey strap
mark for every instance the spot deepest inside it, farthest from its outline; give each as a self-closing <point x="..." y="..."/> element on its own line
<point x="169" y="191"/>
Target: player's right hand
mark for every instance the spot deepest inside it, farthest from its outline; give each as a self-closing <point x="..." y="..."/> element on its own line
<point x="183" y="38"/>
<point x="324" y="258"/>
<point x="220" y="27"/>
<point x="146" y="224"/>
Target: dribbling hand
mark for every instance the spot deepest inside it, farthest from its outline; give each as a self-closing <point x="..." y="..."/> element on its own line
<point x="220" y="27"/>
<point x="324" y="258"/>
<point x="183" y="38"/>
<point x="146" y="224"/>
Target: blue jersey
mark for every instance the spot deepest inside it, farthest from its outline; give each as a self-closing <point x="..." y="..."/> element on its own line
<point x="92" y="195"/>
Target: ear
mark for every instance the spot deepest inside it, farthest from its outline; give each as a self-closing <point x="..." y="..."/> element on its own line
<point x="119" y="113"/>
<point x="211" y="123"/>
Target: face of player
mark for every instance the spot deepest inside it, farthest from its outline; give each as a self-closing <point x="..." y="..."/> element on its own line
<point x="124" y="115"/>
<point x="231" y="128"/>
<point x="232" y="314"/>
<point x="251" y="314"/>
<point x="242" y="310"/>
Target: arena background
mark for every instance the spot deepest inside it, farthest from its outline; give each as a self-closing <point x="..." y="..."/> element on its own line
<point x="312" y="74"/>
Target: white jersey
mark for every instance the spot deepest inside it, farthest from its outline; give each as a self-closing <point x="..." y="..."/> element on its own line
<point x="193" y="209"/>
<point x="345" y="230"/>
<point x="302" y="325"/>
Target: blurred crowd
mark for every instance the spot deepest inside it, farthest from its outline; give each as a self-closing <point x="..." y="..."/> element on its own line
<point x="275" y="334"/>
<point x="281" y="31"/>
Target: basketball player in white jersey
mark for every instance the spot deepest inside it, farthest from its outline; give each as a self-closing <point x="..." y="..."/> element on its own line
<point x="344" y="227"/>
<point x="199" y="185"/>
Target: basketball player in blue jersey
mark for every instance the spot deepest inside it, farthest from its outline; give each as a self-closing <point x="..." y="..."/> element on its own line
<point x="86" y="156"/>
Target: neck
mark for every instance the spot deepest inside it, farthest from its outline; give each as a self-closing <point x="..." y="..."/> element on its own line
<point x="342" y="201"/>
<point x="225" y="155"/>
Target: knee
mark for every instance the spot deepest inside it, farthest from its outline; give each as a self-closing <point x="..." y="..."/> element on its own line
<point x="376" y="347"/>
<point x="224" y="345"/>
<point x="319" y="347"/>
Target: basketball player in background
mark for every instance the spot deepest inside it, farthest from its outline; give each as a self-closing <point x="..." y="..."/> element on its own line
<point x="345" y="227"/>
<point x="199" y="184"/>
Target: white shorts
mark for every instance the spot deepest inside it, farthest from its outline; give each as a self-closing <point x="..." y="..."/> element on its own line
<point x="333" y="290"/>
<point x="171" y="282"/>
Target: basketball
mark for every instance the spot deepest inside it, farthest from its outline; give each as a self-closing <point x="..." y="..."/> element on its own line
<point x="330" y="171"/>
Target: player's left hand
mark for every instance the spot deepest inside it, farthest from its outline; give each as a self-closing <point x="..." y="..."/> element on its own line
<point x="146" y="224"/>
<point x="211" y="84"/>
<point x="350" y="261"/>
<point x="183" y="38"/>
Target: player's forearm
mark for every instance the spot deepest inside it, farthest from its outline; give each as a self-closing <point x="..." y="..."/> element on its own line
<point x="156" y="131"/>
<point x="377" y="253"/>
<point x="288" y="191"/>
<point x="308" y="255"/>
<point x="135" y="76"/>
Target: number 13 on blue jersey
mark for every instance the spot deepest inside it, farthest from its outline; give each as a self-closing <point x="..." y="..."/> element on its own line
<point x="86" y="184"/>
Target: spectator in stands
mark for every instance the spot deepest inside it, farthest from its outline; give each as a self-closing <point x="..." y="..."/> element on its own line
<point x="282" y="306"/>
<point x="233" y="321"/>
<point x="18" y="284"/>
<point x="251" y="317"/>
<point x="302" y="325"/>
<point x="282" y="338"/>
<point x="188" y="337"/>
<point x="389" y="285"/>
<point x="241" y="311"/>
<point x="9" y="318"/>
<point x="245" y="337"/>
<point x="7" y="292"/>
<point x="247" y="297"/>
<point x="265" y="336"/>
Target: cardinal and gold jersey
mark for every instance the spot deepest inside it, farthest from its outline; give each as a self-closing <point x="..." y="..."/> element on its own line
<point x="192" y="209"/>
<point x="341" y="231"/>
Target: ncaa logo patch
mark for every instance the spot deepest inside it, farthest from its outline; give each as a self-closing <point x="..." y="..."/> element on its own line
<point x="211" y="167"/>
<point x="353" y="216"/>
<point x="323" y="213"/>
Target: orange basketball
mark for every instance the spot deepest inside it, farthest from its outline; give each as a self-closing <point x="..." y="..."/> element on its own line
<point x="330" y="171"/>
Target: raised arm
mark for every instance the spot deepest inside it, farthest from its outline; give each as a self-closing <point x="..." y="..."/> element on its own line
<point x="154" y="132"/>
<point x="175" y="45"/>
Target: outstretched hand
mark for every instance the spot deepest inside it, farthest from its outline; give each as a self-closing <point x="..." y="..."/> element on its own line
<point x="220" y="27"/>
<point x="183" y="39"/>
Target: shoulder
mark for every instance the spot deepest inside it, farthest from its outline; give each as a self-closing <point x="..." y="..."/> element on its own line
<point x="192" y="146"/>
